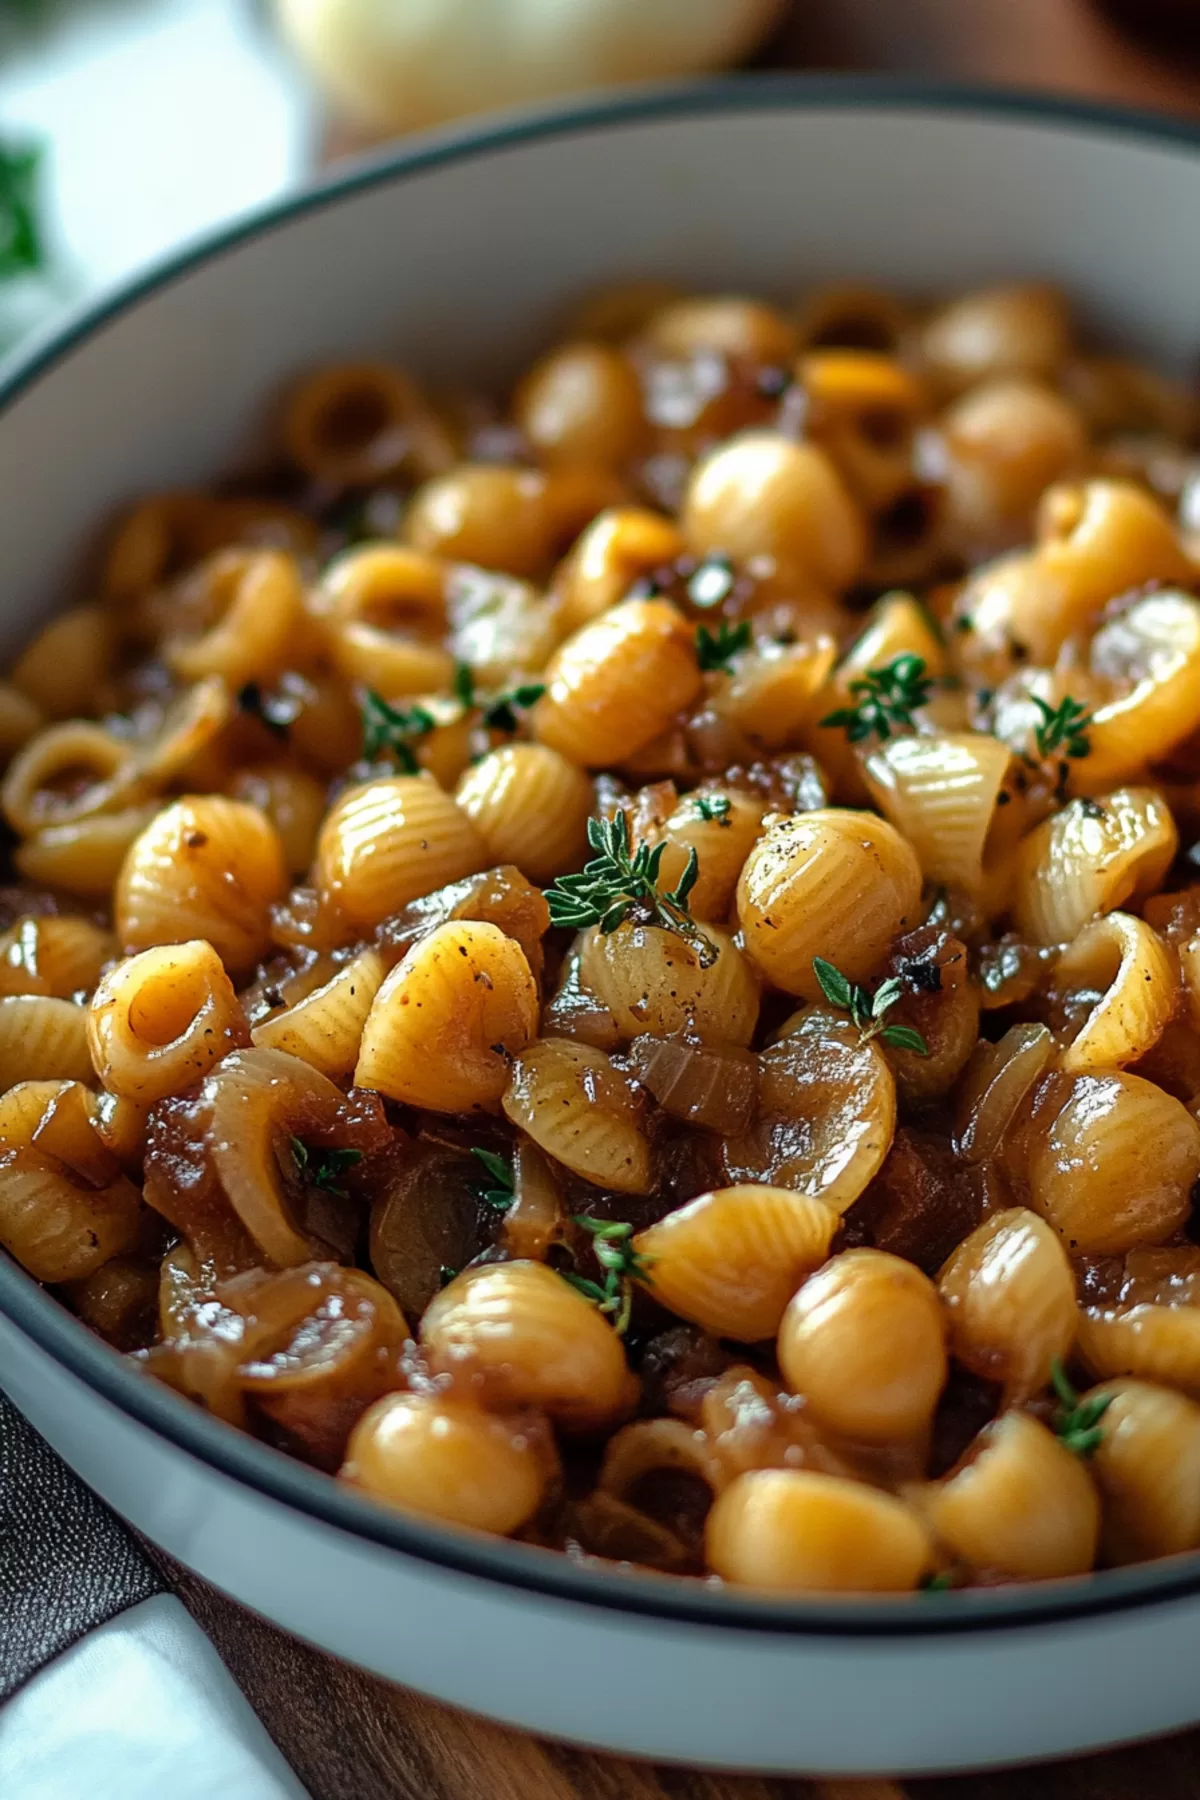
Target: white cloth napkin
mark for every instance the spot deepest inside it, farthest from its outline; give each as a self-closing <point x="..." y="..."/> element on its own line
<point x="141" y="1709"/>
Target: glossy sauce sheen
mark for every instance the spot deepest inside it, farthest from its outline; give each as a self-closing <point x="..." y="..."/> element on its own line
<point x="802" y="1194"/>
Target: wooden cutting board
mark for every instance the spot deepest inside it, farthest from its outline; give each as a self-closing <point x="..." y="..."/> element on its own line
<point x="350" y="1737"/>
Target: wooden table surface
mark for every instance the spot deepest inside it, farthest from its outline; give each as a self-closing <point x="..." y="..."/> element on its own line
<point x="350" y="1737"/>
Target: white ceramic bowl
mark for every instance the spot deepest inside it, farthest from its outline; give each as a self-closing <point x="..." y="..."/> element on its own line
<point x="454" y="256"/>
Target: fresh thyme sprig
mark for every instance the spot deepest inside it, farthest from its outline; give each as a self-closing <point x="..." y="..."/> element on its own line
<point x="612" y="1245"/>
<point x="21" y="246"/>
<point x="499" y="711"/>
<point x="715" y="807"/>
<point x="1063" y="727"/>
<point x="391" y="731"/>
<point x="324" y="1168"/>
<point x="1077" y="1422"/>
<point x="716" y="649"/>
<point x="503" y="1190"/>
<point x="619" y="884"/>
<point x="885" y="700"/>
<point x="869" y="1010"/>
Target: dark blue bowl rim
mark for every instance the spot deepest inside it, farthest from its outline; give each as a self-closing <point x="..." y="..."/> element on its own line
<point x="275" y="1477"/>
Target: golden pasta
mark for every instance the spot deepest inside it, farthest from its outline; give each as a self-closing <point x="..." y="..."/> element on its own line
<point x="619" y="963"/>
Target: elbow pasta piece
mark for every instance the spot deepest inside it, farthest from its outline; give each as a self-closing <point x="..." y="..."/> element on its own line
<point x="731" y="1260"/>
<point x="581" y="404"/>
<point x="446" y="1024"/>
<point x="835" y="884"/>
<point x="292" y="800"/>
<point x="1092" y="857"/>
<point x="388" y="842"/>
<point x="159" y="1021"/>
<point x="1147" y="1467"/>
<point x="1115" y="1167"/>
<point x="448" y="1460"/>
<point x="255" y="615"/>
<point x="359" y="422"/>
<point x="1015" y="329"/>
<point x="325" y="1027"/>
<point x="826" y="1113"/>
<point x="617" y="683"/>
<point x="864" y="1341"/>
<point x="205" y="867"/>
<point x="1127" y="963"/>
<point x="940" y="792"/>
<point x="619" y="548"/>
<point x="66" y="663"/>
<point x="1009" y="1296"/>
<point x="42" y="1039"/>
<point x="762" y="496"/>
<point x="60" y="1229"/>
<point x="516" y="1334"/>
<point x="652" y="982"/>
<point x="801" y="1531"/>
<point x="386" y="609"/>
<point x="1019" y="1503"/>
<point x="531" y="808"/>
<point x="66" y="773"/>
<point x="54" y="953"/>
<point x="85" y="857"/>
<point x="581" y="1111"/>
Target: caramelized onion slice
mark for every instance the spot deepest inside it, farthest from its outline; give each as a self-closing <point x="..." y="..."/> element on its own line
<point x="713" y="1085"/>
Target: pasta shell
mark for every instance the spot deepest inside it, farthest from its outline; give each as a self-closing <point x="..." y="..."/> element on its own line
<point x="53" y="953"/>
<point x="391" y="841"/>
<point x="731" y="1260"/>
<point x="1127" y="960"/>
<point x="446" y="1024"/>
<point x="42" y="1039"/>
<point x="1009" y="1294"/>
<point x="531" y="808"/>
<point x="940" y="792"/>
<point x="1092" y="857"/>
<point x="801" y="1531"/>
<point x="1147" y="1467"/>
<point x="581" y="1111"/>
<point x="324" y="1029"/>
<point x="161" y="1020"/>
<point x="617" y="683"/>
<point x="1154" y="1343"/>
<point x="651" y="981"/>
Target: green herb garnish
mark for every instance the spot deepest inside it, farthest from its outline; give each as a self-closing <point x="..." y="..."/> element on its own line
<point x="324" y="1168"/>
<point x="617" y="885"/>
<point x="446" y="1275"/>
<point x="503" y="1191"/>
<point x="1077" y="1422"/>
<point x="391" y="731"/>
<point x="716" y="807"/>
<point x="612" y="1244"/>
<point x="1063" y="727"/>
<point x="21" y="247"/>
<point x="869" y="1010"/>
<point x="500" y="710"/>
<point x="716" y="649"/>
<point x="885" y="699"/>
<point x="941" y="1583"/>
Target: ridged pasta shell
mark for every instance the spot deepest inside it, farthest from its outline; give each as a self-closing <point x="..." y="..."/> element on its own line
<point x="652" y="982"/>
<point x="1019" y="1503"/>
<point x="1009" y="1294"/>
<point x="582" y="1112"/>
<point x="1154" y="1343"/>
<point x="722" y="843"/>
<point x="448" y="1021"/>
<point x="835" y="884"/>
<point x="85" y="857"/>
<point x="524" y="1337"/>
<point x="619" y="546"/>
<point x="940" y="793"/>
<point x="1115" y="1167"/>
<point x="57" y="1230"/>
<point x="205" y="867"/>
<point x="1155" y="645"/>
<point x="42" y="1039"/>
<point x="1147" y="1467"/>
<point x="53" y="953"/>
<point x="325" y="1028"/>
<point x="391" y="841"/>
<point x="258" y="601"/>
<point x="1092" y="857"/>
<point x="801" y="1531"/>
<point x="618" y="683"/>
<point x="447" y="1460"/>
<point x="1127" y="960"/>
<point x="531" y="807"/>
<point x="731" y="1260"/>
<point x="159" y="1021"/>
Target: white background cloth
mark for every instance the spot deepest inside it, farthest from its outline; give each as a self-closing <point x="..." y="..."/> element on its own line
<point x="142" y="1709"/>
